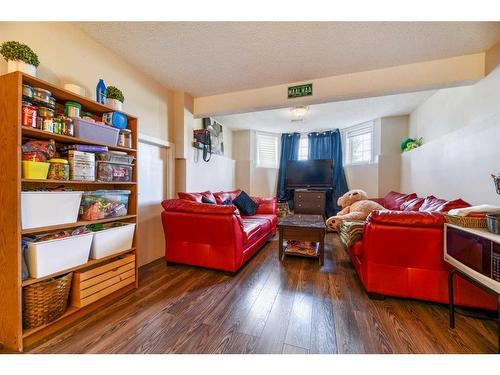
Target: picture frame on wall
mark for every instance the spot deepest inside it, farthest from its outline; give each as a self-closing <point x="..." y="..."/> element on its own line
<point x="216" y="135"/>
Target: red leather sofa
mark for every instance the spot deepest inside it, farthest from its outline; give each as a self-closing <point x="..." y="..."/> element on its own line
<point x="215" y="235"/>
<point x="401" y="253"/>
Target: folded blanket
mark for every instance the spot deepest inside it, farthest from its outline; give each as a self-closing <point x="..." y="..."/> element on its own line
<point x="474" y="210"/>
<point x="351" y="231"/>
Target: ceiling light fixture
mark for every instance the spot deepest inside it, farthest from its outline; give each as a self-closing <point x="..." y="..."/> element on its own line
<point x="299" y="113"/>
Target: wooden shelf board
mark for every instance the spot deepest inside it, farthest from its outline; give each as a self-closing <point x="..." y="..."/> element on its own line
<point x="31" y="331"/>
<point x="40" y="134"/>
<point x="75" y="225"/>
<point x="70" y="182"/>
<point x="91" y="262"/>
<point x="88" y="104"/>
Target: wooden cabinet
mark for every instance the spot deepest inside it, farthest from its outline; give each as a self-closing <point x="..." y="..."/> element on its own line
<point x="12" y="334"/>
<point x="309" y="202"/>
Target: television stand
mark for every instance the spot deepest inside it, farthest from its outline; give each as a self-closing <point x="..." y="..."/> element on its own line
<point x="310" y="202"/>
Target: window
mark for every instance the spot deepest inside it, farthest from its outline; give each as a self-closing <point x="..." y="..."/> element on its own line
<point x="267" y="150"/>
<point x="304" y="148"/>
<point x="359" y="144"/>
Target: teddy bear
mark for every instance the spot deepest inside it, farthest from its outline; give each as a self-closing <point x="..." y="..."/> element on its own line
<point x="355" y="206"/>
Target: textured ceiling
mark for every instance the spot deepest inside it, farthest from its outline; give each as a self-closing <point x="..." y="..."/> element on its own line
<point x="206" y="58"/>
<point x="328" y="115"/>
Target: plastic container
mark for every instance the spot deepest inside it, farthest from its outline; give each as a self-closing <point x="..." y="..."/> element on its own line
<point x="48" y="257"/>
<point x="102" y="204"/>
<point x="115" y="157"/>
<point x="116" y="119"/>
<point x="113" y="172"/>
<point x="72" y="109"/>
<point x="112" y="240"/>
<point x="35" y="170"/>
<point x="125" y="138"/>
<point x="41" y="95"/>
<point x="94" y="132"/>
<point x="44" y="208"/>
<point x="493" y="222"/>
<point x="59" y="169"/>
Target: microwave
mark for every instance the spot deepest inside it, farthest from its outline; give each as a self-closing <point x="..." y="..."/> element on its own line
<point x="475" y="252"/>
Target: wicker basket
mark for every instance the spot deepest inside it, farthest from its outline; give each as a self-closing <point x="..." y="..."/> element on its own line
<point x="45" y="301"/>
<point x="467" y="222"/>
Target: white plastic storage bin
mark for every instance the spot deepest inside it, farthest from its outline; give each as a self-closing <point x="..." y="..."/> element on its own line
<point x="110" y="241"/>
<point x="48" y="257"/>
<point x="43" y="208"/>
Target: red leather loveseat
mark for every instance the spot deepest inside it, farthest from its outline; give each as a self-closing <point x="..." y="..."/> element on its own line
<point x="401" y="253"/>
<point x="215" y="235"/>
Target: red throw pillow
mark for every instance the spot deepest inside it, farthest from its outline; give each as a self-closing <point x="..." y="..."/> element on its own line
<point x="223" y="196"/>
<point x="451" y="205"/>
<point x="196" y="197"/>
<point x="412" y="204"/>
<point x="431" y="204"/>
<point x="393" y="200"/>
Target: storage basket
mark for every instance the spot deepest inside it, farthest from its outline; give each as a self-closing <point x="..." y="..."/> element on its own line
<point x="45" y="301"/>
<point x="466" y="222"/>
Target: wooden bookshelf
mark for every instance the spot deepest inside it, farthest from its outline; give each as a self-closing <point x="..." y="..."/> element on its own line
<point x="12" y="335"/>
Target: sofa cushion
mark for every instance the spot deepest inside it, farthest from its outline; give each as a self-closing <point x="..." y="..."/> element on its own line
<point x="222" y="196"/>
<point x="406" y="218"/>
<point x="393" y="200"/>
<point x="272" y="219"/>
<point x="182" y="205"/>
<point x="196" y="197"/>
<point x="412" y="204"/>
<point x="450" y="205"/>
<point x="245" y="204"/>
<point x="254" y="228"/>
<point x="433" y="204"/>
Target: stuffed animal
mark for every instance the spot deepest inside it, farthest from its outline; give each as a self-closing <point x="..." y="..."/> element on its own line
<point x="355" y="206"/>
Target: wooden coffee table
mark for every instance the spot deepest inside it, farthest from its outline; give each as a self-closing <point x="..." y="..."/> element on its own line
<point x="303" y="228"/>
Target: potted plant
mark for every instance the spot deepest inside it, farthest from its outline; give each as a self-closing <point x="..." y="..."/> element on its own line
<point x="114" y="98"/>
<point x="19" y="57"/>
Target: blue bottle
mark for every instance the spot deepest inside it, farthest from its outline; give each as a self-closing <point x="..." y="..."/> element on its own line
<point x="100" y="92"/>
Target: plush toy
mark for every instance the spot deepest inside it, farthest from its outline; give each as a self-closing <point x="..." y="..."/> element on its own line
<point x="355" y="206"/>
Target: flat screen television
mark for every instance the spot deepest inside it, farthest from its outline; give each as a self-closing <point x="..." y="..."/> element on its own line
<point x="309" y="174"/>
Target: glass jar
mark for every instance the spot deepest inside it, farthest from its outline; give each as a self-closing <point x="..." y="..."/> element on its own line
<point x="29" y="115"/>
<point x="70" y="129"/>
<point x="125" y="138"/>
<point x="59" y="169"/>
<point x="48" y="124"/>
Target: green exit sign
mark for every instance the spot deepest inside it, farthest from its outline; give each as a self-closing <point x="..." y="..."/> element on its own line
<point x="300" y="90"/>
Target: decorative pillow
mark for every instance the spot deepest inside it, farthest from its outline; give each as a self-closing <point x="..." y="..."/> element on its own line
<point x="245" y="204"/>
<point x="196" y="197"/>
<point x="221" y="196"/>
<point x="450" y="205"/>
<point x="227" y="202"/>
<point x="393" y="200"/>
<point x="206" y="200"/>
<point x="412" y="204"/>
<point x="431" y="204"/>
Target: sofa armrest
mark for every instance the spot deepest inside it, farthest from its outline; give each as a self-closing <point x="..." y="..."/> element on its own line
<point x="406" y="218"/>
<point x="267" y="206"/>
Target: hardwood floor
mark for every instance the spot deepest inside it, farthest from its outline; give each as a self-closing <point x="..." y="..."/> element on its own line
<point x="268" y="307"/>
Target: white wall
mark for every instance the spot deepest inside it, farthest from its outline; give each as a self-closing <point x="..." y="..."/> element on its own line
<point x="216" y="175"/>
<point x="68" y="55"/>
<point x="254" y="180"/>
<point x="383" y="174"/>
<point x="461" y="130"/>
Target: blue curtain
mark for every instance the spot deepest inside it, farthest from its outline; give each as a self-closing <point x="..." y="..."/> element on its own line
<point x="328" y="145"/>
<point x="289" y="151"/>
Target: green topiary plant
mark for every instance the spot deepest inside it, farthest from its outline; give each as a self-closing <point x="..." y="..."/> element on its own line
<point x="15" y="51"/>
<point x="411" y="143"/>
<point x="114" y="93"/>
